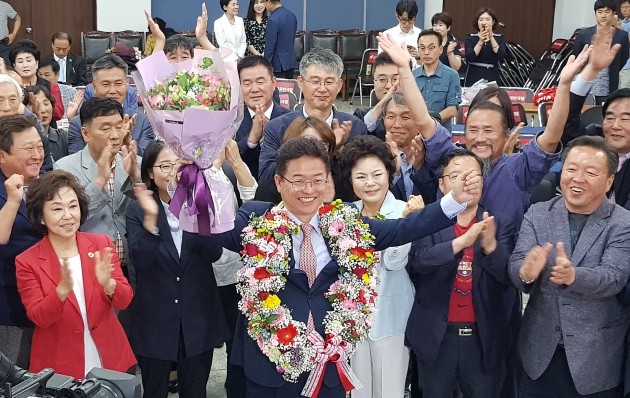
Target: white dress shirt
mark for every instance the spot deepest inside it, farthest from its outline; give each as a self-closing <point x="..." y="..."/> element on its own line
<point x="62" y="68"/>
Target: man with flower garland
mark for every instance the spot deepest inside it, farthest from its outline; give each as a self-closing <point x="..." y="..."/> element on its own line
<point x="308" y="281"/>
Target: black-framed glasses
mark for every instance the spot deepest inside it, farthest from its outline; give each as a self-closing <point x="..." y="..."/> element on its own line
<point x="452" y="176"/>
<point x="166" y="168"/>
<point x="300" y="185"/>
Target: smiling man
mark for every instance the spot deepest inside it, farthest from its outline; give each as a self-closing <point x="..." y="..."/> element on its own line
<point x="257" y="86"/>
<point x="320" y="82"/>
<point x="110" y="81"/>
<point x="572" y="258"/>
<point x="106" y="168"/>
<point x="508" y="180"/>
<point x="21" y="157"/>
<point x="302" y="170"/>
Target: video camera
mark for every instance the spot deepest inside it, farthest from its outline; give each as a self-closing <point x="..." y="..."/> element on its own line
<point x="16" y="382"/>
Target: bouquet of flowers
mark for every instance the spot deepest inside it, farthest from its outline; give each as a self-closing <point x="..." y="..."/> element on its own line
<point x="196" y="108"/>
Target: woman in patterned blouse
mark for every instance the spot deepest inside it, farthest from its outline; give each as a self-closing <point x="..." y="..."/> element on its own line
<point x="255" y="26"/>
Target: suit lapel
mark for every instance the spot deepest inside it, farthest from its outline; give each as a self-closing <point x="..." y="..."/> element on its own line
<point x="559" y="224"/>
<point x="52" y="268"/>
<point x="594" y="226"/>
<point x="120" y="177"/>
<point x="621" y="185"/>
<point x="165" y="232"/>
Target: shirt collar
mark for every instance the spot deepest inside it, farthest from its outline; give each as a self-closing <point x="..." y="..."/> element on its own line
<point x="328" y="120"/>
<point x="438" y="70"/>
<point x="314" y="221"/>
<point x="268" y="112"/>
<point x="58" y="59"/>
<point x="412" y="31"/>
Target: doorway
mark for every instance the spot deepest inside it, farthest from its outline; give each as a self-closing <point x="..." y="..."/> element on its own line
<point x="42" y="18"/>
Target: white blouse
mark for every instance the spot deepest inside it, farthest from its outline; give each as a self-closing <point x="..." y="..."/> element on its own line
<point x="92" y="357"/>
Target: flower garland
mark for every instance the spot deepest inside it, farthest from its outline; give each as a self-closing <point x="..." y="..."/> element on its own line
<point x="266" y="247"/>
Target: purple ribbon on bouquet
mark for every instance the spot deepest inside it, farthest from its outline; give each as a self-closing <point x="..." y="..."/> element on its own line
<point x="193" y="189"/>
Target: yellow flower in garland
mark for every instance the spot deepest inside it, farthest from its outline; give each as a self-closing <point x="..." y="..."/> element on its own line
<point x="271" y="302"/>
<point x="366" y="278"/>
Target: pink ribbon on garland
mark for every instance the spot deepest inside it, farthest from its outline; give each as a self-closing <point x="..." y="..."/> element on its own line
<point x="334" y="349"/>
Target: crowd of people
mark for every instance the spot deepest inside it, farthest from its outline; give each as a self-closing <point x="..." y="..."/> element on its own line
<point x="97" y="272"/>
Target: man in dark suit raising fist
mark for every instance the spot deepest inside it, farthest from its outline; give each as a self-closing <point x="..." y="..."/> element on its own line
<point x="72" y="69"/>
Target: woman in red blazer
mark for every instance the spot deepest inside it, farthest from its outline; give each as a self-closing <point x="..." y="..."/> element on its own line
<point x="70" y="282"/>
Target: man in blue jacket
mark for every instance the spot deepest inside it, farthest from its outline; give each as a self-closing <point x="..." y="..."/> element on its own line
<point x="280" y="39"/>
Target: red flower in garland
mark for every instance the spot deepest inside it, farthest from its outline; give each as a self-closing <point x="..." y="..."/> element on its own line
<point x="269" y="216"/>
<point x="261" y="273"/>
<point x="287" y="334"/>
<point x="325" y="209"/>
<point x="359" y="251"/>
<point x="263" y="295"/>
<point x="358" y="271"/>
<point x="250" y="249"/>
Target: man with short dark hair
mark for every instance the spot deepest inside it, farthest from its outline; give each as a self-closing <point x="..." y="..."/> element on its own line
<point x="607" y="79"/>
<point x="49" y="69"/>
<point x="406" y="30"/>
<point x="615" y="127"/>
<point x="21" y="158"/>
<point x="107" y="167"/>
<point x="385" y="75"/>
<point x="301" y="174"/>
<point x="257" y="86"/>
<point x="572" y="258"/>
<point x="72" y="68"/>
<point x="280" y="39"/>
<point x="110" y="81"/>
<point x="438" y="83"/>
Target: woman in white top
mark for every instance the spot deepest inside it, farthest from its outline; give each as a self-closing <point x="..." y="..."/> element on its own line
<point x="381" y="361"/>
<point x="229" y="30"/>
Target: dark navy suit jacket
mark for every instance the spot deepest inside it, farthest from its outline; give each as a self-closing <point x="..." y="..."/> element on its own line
<point x="300" y="298"/>
<point x="23" y="236"/>
<point x="175" y="294"/>
<point x="585" y="36"/>
<point x="250" y="156"/>
<point x="272" y="140"/>
<point x="76" y="72"/>
<point x="432" y="268"/>
<point x="280" y="40"/>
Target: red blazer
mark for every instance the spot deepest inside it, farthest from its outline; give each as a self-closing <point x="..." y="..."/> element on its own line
<point x="58" y="337"/>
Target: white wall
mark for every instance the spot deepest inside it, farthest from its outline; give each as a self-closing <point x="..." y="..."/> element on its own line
<point x="119" y="15"/>
<point x="570" y="15"/>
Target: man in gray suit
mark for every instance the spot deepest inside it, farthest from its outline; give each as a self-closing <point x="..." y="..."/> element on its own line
<point x="572" y="256"/>
<point x="107" y="167"/>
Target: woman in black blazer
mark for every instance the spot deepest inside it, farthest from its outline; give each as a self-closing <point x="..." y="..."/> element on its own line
<point x="177" y="313"/>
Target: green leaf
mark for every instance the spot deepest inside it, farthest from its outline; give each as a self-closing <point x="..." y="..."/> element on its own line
<point x="206" y="62"/>
<point x="272" y="318"/>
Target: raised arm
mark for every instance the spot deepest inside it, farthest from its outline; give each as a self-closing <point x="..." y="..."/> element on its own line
<point x="549" y="139"/>
<point x="418" y="107"/>
<point x="160" y="39"/>
<point x="201" y="30"/>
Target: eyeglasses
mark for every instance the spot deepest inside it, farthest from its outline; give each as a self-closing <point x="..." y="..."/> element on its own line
<point x="31" y="149"/>
<point x="406" y="21"/>
<point x="423" y="49"/>
<point x="452" y="176"/>
<point x="319" y="83"/>
<point x="166" y="168"/>
<point x="300" y="185"/>
<point x="382" y="81"/>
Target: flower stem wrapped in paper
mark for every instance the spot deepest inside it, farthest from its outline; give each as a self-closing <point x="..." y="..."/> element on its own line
<point x="196" y="108"/>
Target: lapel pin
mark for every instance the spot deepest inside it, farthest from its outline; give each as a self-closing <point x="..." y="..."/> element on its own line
<point x="91" y="255"/>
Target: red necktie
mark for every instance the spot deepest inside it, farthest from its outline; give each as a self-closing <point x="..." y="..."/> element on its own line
<point x="308" y="264"/>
